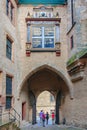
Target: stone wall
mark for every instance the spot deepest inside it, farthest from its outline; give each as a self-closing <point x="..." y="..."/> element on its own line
<point x="78" y="115"/>
<point x="44" y="103"/>
<point x="78" y="29"/>
<point x="21" y="66"/>
<point x="7" y="66"/>
<point x="38" y="59"/>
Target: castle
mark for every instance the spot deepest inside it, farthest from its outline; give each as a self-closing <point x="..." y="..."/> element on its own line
<point x="43" y="47"/>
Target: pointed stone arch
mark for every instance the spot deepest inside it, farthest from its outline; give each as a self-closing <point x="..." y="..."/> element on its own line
<point x="56" y="70"/>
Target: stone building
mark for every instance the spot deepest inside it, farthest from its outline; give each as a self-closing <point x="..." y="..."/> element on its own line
<point x="45" y="102"/>
<point x="43" y="48"/>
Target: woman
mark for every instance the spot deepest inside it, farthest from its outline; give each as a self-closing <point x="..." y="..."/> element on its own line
<point x="53" y="117"/>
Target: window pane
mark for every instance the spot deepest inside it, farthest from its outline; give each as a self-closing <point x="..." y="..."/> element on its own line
<point x="52" y="98"/>
<point x="37" y="31"/>
<point x="12" y="8"/>
<point x="7" y="7"/>
<point x="49" y="31"/>
<point x="8" y="85"/>
<point x="49" y="42"/>
<point x="43" y="37"/>
<point x="8" y="48"/>
<point x="37" y="43"/>
<point x="8" y="102"/>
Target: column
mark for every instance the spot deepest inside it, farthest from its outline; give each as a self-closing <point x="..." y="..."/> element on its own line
<point x="28" y="32"/>
<point x="57" y="33"/>
<point x="57" y="40"/>
<point x="28" y="43"/>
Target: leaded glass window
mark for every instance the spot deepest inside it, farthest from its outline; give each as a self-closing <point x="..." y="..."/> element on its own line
<point x="7" y="7"/>
<point x="43" y="37"/>
<point x="8" y="102"/>
<point x="9" y="48"/>
<point x="8" y="91"/>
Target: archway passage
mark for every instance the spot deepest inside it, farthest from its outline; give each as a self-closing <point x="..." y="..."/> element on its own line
<point x="45" y="79"/>
<point x="46" y="103"/>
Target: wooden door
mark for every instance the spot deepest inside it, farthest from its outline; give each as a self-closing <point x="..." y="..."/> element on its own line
<point x="23" y="110"/>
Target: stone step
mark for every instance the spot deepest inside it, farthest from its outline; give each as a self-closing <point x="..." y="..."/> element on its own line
<point x="25" y="125"/>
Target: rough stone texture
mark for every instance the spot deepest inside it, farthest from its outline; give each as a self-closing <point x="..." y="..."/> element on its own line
<point x="24" y="69"/>
<point x="7" y="66"/>
<point x="80" y="41"/>
<point x="44" y="103"/>
<point x="79" y="29"/>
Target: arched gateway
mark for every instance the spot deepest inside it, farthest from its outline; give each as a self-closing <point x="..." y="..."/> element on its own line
<point x="49" y="79"/>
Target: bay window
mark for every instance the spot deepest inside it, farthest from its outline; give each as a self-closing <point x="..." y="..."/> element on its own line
<point x="43" y="37"/>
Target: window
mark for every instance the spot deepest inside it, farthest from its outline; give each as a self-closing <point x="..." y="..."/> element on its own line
<point x="7" y="7"/>
<point x="8" y="48"/>
<point x="8" y="91"/>
<point x="10" y="10"/>
<point x="8" y="102"/>
<point x="51" y="98"/>
<point x="43" y="37"/>
<point x="72" y="43"/>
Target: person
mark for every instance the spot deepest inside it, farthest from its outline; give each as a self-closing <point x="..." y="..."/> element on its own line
<point x="53" y="117"/>
<point x="40" y="115"/>
<point x="43" y="119"/>
<point x="47" y="117"/>
<point x="64" y="121"/>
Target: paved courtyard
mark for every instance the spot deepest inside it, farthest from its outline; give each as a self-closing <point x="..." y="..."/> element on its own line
<point x="39" y="126"/>
<point x="50" y="127"/>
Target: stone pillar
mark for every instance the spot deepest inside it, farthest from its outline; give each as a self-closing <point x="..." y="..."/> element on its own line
<point x="34" y="113"/>
<point x="28" y="43"/>
<point x="33" y="104"/>
<point x="57" y="33"/>
<point x="57" y="114"/>
<point x="58" y="104"/>
<point x="28" y="32"/>
<point x="57" y="40"/>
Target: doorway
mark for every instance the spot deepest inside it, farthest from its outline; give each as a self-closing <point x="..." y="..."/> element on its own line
<point x="23" y="110"/>
<point x="45" y="103"/>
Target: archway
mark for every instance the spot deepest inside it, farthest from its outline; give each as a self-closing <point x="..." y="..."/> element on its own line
<point x="46" y="78"/>
<point x="45" y="103"/>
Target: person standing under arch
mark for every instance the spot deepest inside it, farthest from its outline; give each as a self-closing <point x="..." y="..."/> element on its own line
<point x="43" y="119"/>
<point x="53" y="117"/>
<point x="47" y="118"/>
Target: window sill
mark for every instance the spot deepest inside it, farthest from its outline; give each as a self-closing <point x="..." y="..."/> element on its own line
<point x="9" y="95"/>
<point x="43" y="50"/>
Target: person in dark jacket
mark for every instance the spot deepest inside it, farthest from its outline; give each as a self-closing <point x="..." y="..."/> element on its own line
<point x="47" y="117"/>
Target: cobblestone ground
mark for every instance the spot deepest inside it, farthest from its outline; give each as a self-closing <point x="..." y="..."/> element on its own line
<point x="39" y="126"/>
<point x="55" y="127"/>
<point x="50" y="127"/>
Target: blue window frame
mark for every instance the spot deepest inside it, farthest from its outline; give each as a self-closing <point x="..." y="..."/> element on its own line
<point x="11" y="12"/>
<point x="8" y="102"/>
<point x="8" y="91"/>
<point x="7" y="7"/>
<point x="8" y="85"/>
<point x="43" y="37"/>
<point x="9" y="48"/>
